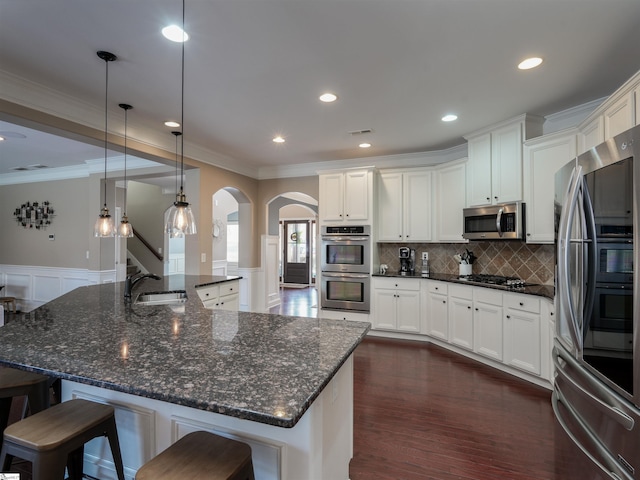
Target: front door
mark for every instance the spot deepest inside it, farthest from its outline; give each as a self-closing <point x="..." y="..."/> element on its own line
<point x="296" y="252"/>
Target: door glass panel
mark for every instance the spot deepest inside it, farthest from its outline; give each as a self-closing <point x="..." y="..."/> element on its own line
<point x="296" y="242"/>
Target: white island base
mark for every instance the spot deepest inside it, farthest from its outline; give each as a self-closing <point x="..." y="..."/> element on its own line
<point x="318" y="447"/>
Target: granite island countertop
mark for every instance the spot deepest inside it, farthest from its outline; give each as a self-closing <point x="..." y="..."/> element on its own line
<point x="259" y="367"/>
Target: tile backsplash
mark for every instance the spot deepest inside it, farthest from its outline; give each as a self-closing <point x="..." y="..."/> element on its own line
<point x="532" y="263"/>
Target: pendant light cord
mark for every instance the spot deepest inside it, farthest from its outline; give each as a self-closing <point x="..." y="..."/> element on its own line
<point x="182" y="109"/>
<point x="126" y="110"/>
<point x="106" y="120"/>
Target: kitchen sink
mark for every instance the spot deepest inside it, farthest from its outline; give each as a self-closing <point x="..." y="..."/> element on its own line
<point x="172" y="297"/>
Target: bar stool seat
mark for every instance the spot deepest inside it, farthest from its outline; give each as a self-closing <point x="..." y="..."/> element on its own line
<point x="16" y="383"/>
<point x="201" y="455"/>
<point x="55" y="438"/>
<point x="9" y="303"/>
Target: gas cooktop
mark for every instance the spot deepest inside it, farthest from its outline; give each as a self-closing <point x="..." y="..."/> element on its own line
<point x="497" y="280"/>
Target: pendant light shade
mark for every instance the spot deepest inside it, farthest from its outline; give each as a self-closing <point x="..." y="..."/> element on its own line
<point x="125" y="229"/>
<point x="180" y="220"/>
<point x="104" y="226"/>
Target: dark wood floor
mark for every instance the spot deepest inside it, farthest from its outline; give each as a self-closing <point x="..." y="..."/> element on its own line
<point x="422" y="412"/>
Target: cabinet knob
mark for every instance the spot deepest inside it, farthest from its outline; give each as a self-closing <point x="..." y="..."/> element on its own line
<point x="488" y="198"/>
<point x="495" y="198"/>
<point x="508" y="316"/>
<point x="476" y="309"/>
<point x="444" y="301"/>
<point x="469" y="308"/>
<point x="551" y="314"/>
<point x="206" y="295"/>
<point x="528" y="234"/>
<point x="436" y="288"/>
<point x="399" y="236"/>
<point x="347" y="214"/>
<point x="521" y="304"/>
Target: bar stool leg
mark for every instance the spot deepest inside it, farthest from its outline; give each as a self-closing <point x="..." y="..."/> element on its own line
<point x="49" y="466"/>
<point x="112" y="435"/>
<point x="5" y="410"/>
<point x="75" y="463"/>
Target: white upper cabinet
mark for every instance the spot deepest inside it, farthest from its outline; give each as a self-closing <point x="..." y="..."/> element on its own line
<point x="619" y="116"/>
<point x="616" y="114"/>
<point x="346" y="196"/>
<point x="450" y="187"/>
<point x="543" y="156"/>
<point x="495" y="161"/>
<point x="404" y="201"/>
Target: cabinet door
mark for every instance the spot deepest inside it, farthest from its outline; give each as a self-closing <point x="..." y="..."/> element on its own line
<point x="356" y="196"/>
<point x="461" y="322"/>
<point x="384" y="309"/>
<point x="389" y="198"/>
<point x="488" y="329"/>
<point x="450" y="188"/>
<point x="331" y="196"/>
<point x="479" y="180"/>
<point x="506" y="164"/>
<point x="522" y="340"/>
<point x="230" y="302"/>
<point x="417" y="207"/>
<point x="408" y="310"/>
<point x="619" y="116"/>
<point x="437" y="316"/>
<point x="541" y="160"/>
<point x="591" y="134"/>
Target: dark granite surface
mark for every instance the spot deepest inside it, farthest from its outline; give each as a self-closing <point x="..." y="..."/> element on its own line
<point x="260" y="367"/>
<point x="546" y="291"/>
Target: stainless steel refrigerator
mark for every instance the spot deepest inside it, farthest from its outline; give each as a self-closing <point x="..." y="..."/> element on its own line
<point x="596" y="351"/>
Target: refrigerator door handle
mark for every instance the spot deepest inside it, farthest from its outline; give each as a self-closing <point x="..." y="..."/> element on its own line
<point x="592" y="257"/>
<point x="564" y="240"/>
<point x="558" y="397"/>
<point x="618" y="415"/>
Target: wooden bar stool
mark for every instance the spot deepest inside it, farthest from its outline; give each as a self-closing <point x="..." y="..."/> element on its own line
<point x="55" y="438"/>
<point x="201" y="455"/>
<point x="9" y="303"/>
<point x="16" y="383"/>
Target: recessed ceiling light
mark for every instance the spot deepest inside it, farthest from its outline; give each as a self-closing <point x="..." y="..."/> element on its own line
<point x="364" y="145"/>
<point x="328" y="97"/>
<point x="172" y="124"/>
<point x="175" y="34"/>
<point x="449" y="118"/>
<point x="528" y="63"/>
<point x="278" y="139"/>
<point x="1" y="139"/>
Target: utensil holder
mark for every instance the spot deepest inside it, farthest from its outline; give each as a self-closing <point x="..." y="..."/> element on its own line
<point x="465" y="269"/>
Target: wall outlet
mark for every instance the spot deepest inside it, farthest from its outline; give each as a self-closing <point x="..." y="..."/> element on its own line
<point x="203" y="257"/>
<point x="52" y="236"/>
<point x="425" y="255"/>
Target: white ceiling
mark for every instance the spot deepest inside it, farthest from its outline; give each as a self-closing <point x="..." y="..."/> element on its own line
<point x="255" y="68"/>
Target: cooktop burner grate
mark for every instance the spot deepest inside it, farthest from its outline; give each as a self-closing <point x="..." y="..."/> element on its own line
<point x="494" y="280"/>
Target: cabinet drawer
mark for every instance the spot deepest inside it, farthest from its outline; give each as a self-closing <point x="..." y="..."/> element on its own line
<point x="461" y="291"/>
<point x="525" y="303"/>
<point x="399" y="283"/>
<point x="487" y="295"/>
<point x="437" y="287"/>
<point x="228" y="288"/>
<point x="209" y="292"/>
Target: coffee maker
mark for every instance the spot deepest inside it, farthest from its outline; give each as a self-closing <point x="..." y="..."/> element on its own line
<point x="407" y="260"/>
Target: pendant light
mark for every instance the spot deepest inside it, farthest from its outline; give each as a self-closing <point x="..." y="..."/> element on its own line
<point x="104" y="226"/>
<point x="125" y="229"/>
<point x="180" y="220"/>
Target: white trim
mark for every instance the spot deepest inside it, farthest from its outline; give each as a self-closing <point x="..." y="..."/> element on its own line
<point x="34" y="286"/>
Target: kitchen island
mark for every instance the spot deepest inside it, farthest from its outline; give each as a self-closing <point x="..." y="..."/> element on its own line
<point x="282" y="384"/>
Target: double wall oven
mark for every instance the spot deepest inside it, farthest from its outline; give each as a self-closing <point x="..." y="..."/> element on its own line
<point x="345" y="267"/>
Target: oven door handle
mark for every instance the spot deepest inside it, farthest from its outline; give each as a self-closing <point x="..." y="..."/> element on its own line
<point x="345" y="275"/>
<point x="364" y="238"/>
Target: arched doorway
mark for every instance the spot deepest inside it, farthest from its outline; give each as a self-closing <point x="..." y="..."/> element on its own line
<point x="230" y="224"/>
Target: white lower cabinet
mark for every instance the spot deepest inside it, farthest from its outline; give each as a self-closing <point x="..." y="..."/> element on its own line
<point x="487" y="322"/>
<point x="396" y="304"/>
<point x="437" y="309"/>
<point x="522" y="333"/>
<point x="461" y="316"/>
<point x="221" y="296"/>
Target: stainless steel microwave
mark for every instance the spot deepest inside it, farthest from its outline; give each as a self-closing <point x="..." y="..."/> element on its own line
<point x="495" y="222"/>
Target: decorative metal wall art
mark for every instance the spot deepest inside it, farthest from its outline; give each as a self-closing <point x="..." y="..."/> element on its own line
<point x="34" y="214"/>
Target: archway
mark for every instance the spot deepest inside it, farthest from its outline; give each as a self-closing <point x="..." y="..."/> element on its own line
<point x="230" y="225"/>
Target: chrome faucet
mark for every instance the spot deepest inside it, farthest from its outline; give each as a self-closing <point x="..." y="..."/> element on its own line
<point x="132" y="280"/>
